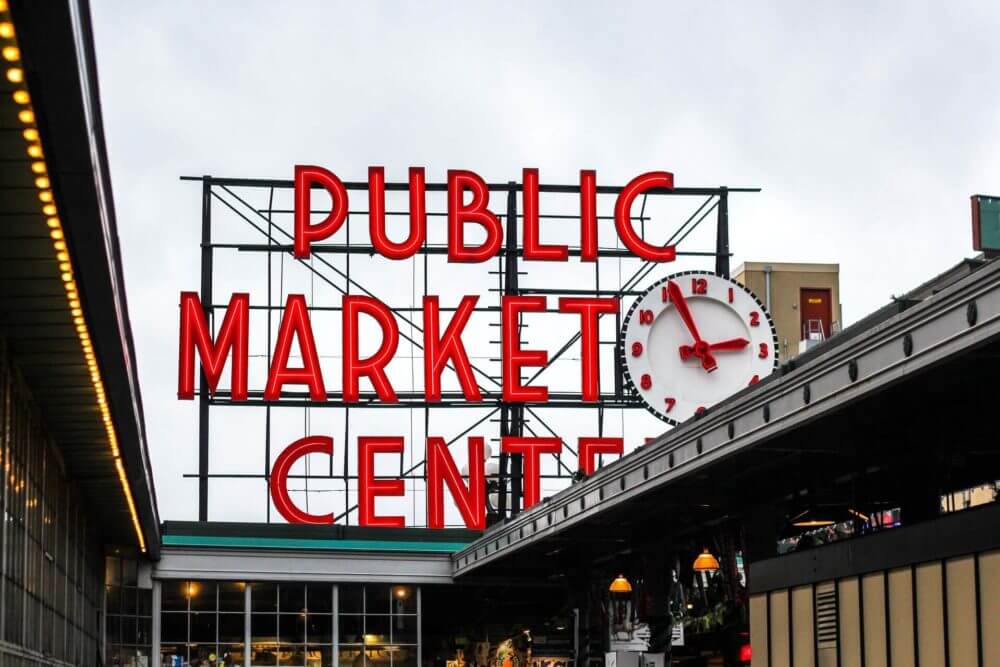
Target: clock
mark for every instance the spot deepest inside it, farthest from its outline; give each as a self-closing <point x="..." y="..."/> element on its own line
<point x="693" y="339"/>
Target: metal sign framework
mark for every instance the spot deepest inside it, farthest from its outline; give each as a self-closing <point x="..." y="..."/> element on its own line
<point x="234" y="195"/>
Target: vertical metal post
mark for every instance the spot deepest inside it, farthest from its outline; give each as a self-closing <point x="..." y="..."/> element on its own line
<point x="722" y="234"/>
<point x="206" y="302"/>
<point x="420" y="628"/>
<point x="157" y="603"/>
<point x="247" y="630"/>
<point x="514" y="418"/>
<point x="336" y="625"/>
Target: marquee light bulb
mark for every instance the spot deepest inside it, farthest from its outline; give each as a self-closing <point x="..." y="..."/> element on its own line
<point x="30" y="134"/>
<point x="34" y="150"/>
<point x="45" y="196"/>
<point x="26" y="116"/>
<point x="59" y="245"/>
<point x="11" y="53"/>
<point x="67" y="277"/>
<point x="22" y="96"/>
<point x="56" y="234"/>
<point x="38" y="167"/>
<point x="15" y="75"/>
<point x="49" y="209"/>
<point x="42" y="182"/>
<point x="6" y="29"/>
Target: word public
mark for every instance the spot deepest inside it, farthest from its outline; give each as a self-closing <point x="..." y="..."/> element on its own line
<point x="468" y="204"/>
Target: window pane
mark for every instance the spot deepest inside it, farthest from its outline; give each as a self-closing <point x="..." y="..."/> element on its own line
<point x="292" y="655"/>
<point x="114" y="599"/>
<point x="231" y="655"/>
<point x="377" y="656"/>
<point x="351" y="629"/>
<point x="320" y="598"/>
<point x="264" y="597"/>
<point x="231" y="595"/>
<point x="114" y="629"/>
<point x="129" y="573"/>
<point x="231" y="628"/>
<point x="377" y="598"/>
<point x="112" y="570"/>
<point x="377" y="626"/>
<point x="319" y="656"/>
<point x="144" y="602"/>
<point x="319" y="629"/>
<point x="128" y="600"/>
<point x="173" y="627"/>
<point x="292" y="597"/>
<point x="263" y="653"/>
<point x="292" y="629"/>
<point x="264" y="627"/>
<point x="144" y="631"/>
<point x="128" y="630"/>
<point x="202" y="594"/>
<point x="404" y="630"/>
<point x="172" y="655"/>
<point x="174" y="596"/>
<point x="202" y="655"/>
<point x="350" y="599"/>
<point x="404" y="600"/>
<point x="350" y="656"/>
<point x="203" y="627"/>
<point x="406" y="656"/>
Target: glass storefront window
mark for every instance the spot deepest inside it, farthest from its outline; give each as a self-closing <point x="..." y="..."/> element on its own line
<point x="128" y="622"/>
<point x="202" y="623"/>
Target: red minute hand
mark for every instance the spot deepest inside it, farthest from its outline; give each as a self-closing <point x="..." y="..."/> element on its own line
<point x="731" y="344"/>
<point x="700" y="348"/>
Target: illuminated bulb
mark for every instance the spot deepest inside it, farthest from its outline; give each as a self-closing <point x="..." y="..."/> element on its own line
<point x="6" y="29"/>
<point x="42" y="182"/>
<point x="62" y="256"/>
<point x="22" y="96"/>
<point x="77" y="320"/>
<point x="55" y="234"/>
<point x="53" y="223"/>
<point x="74" y="303"/>
<point x="31" y="134"/>
<point x="26" y="116"/>
<point x="67" y="277"/>
<point x="64" y="266"/>
<point x="38" y="167"/>
<point x="3" y="5"/>
<point x="34" y="150"/>
<point x="15" y="75"/>
<point x="59" y="245"/>
<point x="45" y="196"/>
<point x="11" y="53"/>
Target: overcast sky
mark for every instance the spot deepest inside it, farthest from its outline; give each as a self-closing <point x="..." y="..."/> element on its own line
<point x="867" y="126"/>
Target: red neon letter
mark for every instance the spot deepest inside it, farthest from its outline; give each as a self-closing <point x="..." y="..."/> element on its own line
<point x="306" y="233"/>
<point x="441" y="468"/>
<point x="587" y="448"/>
<point x="532" y="448"/>
<point x="623" y="216"/>
<point x="313" y="444"/>
<point x="438" y="351"/>
<point x="533" y="249"/>
<point x="588" y="215"/>
<point x="589" y="309"/>
<point x="369" y="487"/>
<point x="514" y="357"/>
<point x="233" y="336"/>
<point x="458" y="214"/>
<point x="295" y="324"/>
<point x="373" y="366"/>
<point x="376" y="214"/>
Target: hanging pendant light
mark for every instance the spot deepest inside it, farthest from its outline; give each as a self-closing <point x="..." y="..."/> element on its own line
<point x="706" y="562"/>
<point x="620" y="585"/>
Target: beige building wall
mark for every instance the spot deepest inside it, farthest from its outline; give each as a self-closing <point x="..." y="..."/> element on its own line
<point x="787" y="281"/>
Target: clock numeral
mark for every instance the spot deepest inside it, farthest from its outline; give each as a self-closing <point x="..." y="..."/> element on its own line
<point x="699" y="286"/>
<point x="754" y="380"/>
<point x="664" y="295"/>
<point x="636" y="349"/>
<point x="700" y="409"/>
<point x="730" y="295"/>
<point x="671" y="402"/>
<point x="645" y="381"/>
<point x="755" y="319"/>
<point x="763" y="351"/>
<point x="645" y="317"/>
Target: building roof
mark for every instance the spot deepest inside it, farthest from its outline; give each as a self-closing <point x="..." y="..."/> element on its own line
<point x="90" y="401"/>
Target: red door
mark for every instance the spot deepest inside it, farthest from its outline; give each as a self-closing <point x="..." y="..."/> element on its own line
<point x="816" y="308"/>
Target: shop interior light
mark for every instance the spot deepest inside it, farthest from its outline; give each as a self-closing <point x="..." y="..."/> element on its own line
<point x="401" y="592"/>
<point x="706" y="562"/>
<point x="15" y="74"/>
<point x="809" y="519"/>
<point x="620" y="585"/>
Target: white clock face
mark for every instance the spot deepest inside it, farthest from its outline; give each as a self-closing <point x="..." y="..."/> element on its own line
<point x="693" y="339"/>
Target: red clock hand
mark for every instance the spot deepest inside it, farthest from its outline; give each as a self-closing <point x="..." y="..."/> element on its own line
<point x="731" y="344"/>
<point x="680" y="303"/>
<point x="700" y="347"/>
